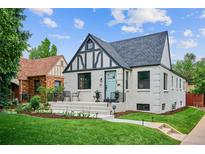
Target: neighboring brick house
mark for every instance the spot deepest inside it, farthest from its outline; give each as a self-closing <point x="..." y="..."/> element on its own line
<point x="45" y="72"/>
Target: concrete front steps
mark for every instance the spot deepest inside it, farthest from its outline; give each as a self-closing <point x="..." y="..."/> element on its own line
<point x="87" y="107"/>
<point x="170" y="131"/>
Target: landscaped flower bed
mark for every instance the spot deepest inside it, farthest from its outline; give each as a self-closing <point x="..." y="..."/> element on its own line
<point x="61" y="116"/>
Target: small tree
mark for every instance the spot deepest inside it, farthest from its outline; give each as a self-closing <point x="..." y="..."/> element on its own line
<point x="43" y="50"/>
<point x="35" y="102"/>
<point x="44" y="92"/>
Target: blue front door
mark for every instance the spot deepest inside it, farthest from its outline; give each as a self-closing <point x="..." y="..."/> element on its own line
<point x="110" y="84"/>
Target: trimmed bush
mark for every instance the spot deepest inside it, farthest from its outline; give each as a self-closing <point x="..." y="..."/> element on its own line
<point x="24" y="108"/>
<point x="35" y="102"/>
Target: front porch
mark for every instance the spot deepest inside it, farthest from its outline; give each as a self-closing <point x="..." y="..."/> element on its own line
<point x="101" y="108"/>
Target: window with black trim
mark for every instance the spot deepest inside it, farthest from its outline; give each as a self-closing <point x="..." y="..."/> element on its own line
<point x="84" y="81"/>
<point x="176" y="82"/>
<point x="163" y="106"/>
<point x="90" y="44"/>
<point x="172" y="82"/>
<point x="126" y="80"/>
<point x="37" y="84"/>
<point x="143" y="107"/>
<point x="165" y="81"/>
<point x="180" y="84"/>
<point x="144" y="80"/>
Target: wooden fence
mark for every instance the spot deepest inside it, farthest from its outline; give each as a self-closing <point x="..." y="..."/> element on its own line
<point x="196" y="100"/>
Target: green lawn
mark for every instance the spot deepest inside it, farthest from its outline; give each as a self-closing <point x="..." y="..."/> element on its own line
<point x="25" y="129"/>
<point x="183" y="121"/>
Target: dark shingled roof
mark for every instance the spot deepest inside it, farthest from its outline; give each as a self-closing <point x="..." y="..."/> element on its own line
<point x="139" y="51"/>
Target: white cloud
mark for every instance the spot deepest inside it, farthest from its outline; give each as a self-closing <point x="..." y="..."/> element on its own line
<point x="130" y="29"/>
<point x="60" y="37"/>
<point x="188" y="32"/>
<point x="78" y="23"/>
<point x="172" y="31"/>
<point x="131" y="18"/>
<point x="187" y="44"/>
<point x="172" y="40"/>
<point x="42" y="11"/>
<point x="202" y="15"/>
<point x="202" y="31"/>
<point x="49" y="23"/>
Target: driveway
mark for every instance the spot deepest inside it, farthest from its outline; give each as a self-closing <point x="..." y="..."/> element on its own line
<point x="197" y="135"/>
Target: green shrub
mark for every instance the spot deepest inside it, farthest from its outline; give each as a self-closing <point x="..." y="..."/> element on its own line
<point x="35" y="102"/>
<point x="24" y="108"/>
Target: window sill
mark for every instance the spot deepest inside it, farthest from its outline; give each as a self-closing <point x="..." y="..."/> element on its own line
<point x="84" y="90"/>
<point x="166" y="91"/>
<point x="143" y="90"/>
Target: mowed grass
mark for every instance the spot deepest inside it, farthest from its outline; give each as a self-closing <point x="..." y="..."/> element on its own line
<point x="184" y="121"/>
<point x="27" y="130"/>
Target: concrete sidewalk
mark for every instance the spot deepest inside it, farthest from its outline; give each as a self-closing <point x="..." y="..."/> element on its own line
<point x="164" y="128"/>
<point x="197" y="135"/>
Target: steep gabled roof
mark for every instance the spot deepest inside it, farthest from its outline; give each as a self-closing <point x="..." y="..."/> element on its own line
<point x="138" y="51"/>
<point x="141" y="51"/>
<point x="36" y="67"/>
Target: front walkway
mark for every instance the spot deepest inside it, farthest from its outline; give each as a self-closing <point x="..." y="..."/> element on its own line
<point x="165" y="128"/>
<point x="197" y="135"/>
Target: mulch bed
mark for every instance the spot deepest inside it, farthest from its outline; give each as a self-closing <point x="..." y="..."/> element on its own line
<point x="55" y="116"/>
<point x="118" y="114"/>
<point x="174" y="111"/>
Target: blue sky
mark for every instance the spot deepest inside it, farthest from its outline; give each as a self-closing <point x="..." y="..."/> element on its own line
<point x="67" y="28"/>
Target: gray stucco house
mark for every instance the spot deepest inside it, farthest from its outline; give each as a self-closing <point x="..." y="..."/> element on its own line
<point x="134" y="74"/>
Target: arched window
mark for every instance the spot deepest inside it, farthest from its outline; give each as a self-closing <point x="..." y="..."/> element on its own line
<point x="90" y="44"/>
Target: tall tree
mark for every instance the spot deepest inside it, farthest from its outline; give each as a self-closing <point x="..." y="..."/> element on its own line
<point x="43" y="50"/>
<point x="13" y="41"/>
<point x="199" y="77"/>
<point x="186" y="66"/>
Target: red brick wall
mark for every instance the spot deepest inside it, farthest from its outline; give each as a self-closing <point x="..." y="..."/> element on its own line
<point x="23" y="88"/>
<point x="46" y="81"/>
<point x="50" y="81"/>
<point x="31" y="83"/>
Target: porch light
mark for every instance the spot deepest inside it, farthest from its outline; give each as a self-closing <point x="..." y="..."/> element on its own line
<point x="114" y="108"/>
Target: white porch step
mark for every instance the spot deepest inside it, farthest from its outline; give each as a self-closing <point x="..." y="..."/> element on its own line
<point x="102" y="104"/>
<point x="85" y="111"/>
<point x="87" y="107"/>
<point x="81" y="106"/>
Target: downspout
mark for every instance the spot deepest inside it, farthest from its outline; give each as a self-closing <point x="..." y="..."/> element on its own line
<point x="123" y="85"/>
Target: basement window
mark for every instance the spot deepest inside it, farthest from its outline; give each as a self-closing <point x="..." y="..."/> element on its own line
<point x="163" y="106"/>
<point x="143" y="107"/>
